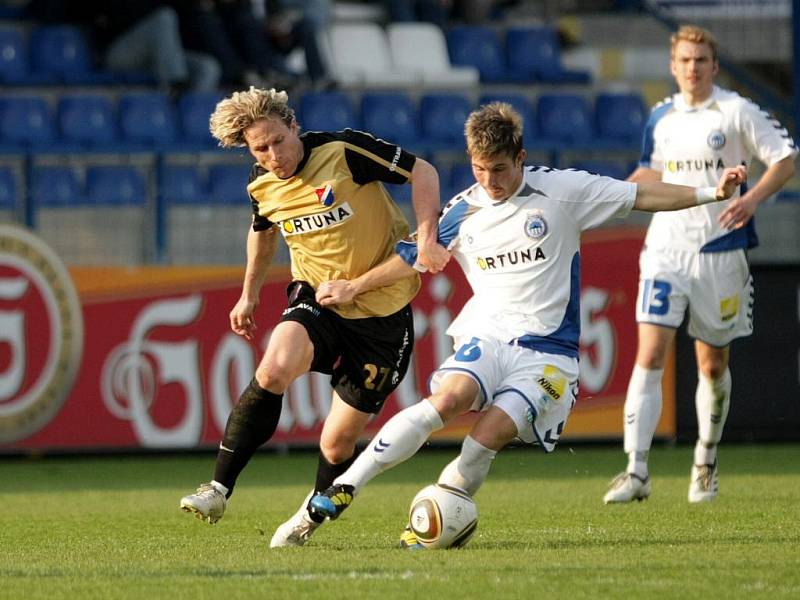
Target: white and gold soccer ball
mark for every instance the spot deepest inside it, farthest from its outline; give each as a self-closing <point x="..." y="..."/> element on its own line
<point x="443" y="517"/>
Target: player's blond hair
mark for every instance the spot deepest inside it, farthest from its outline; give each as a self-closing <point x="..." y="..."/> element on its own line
<point x="494" y="129"/>
<point x="694" y="34"/>
<point x="235" y="114"/>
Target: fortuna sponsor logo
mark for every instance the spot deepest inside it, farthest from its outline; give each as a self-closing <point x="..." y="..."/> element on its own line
<point x="309" y="223"/>
<point x="548" y="387"/>
<point x="508" y="259"/>
<point x="694" y="165"/>
<point x="303" y="306"/>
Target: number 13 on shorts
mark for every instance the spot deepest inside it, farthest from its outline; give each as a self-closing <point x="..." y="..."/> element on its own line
<point x="655" y="296"/>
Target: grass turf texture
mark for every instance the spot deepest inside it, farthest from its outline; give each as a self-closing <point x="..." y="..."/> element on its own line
<point x="110" y="528"/>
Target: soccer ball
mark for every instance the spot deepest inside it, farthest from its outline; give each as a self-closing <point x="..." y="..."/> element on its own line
<point x="443" y="517"/>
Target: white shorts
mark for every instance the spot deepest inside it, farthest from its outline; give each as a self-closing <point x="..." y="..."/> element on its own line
<point x="716" y="286"/>
<point x="536" y="390"/>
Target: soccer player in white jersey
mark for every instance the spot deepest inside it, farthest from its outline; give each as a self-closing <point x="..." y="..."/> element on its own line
<point x="516" y="234"/>
<point x="696" y="258"/>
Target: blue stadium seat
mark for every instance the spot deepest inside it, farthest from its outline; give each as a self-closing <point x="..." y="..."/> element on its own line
<point x="609" y="168"/>
<point x="400" y="193"/>
<point x="25" y="121"/>
<point x="442" y="118"/>
<point x="620" y="117"/>
<point x="87" y="121"/>
<point x="55" y="186"/>
<point x="535" y="53"/>
<point x="148" y="119"/>
<point x="461" y="177"/>
<point x="63" y="52"/>
<point x="194" y="110"/>
<point x="182" y="184"/>
<point x="115" y="185"/>
<point x="326" y="111"/>
<point x="479" y="47"/>
<point x="8" y="189"/>
<point x="390" y="116"/>
<point x="228" y="183"/>
<point x="14" y="64"/>
<point x="564" y="119"/>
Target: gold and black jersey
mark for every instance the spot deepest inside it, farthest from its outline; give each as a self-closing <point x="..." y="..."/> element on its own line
<point x="335" y="215"/>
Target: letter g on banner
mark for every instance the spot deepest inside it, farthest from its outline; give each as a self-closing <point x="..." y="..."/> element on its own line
<point x="41" y="333"/>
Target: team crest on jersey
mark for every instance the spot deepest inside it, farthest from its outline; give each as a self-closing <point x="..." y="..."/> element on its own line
<point x="535" y="225"/>
<point x="325" y="195"/>
<point x="716" y="139"/>
<point x="317" y="222"/>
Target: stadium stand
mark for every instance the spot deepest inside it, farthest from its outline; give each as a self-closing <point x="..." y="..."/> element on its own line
<point x="391" y="116"/>
<point x="87" y="121"/>
<point x="326" y="111"/>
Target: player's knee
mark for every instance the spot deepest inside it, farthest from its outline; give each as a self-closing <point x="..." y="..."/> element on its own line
<point x="713" y="367"/>
<point x="274" y="378"/>
<point x="337" y="450"/>
<point x="450" y="404"/>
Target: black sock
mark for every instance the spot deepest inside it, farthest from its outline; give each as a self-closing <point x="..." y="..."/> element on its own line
<point x="251" y="423"/>
<point x="326" y="473"/>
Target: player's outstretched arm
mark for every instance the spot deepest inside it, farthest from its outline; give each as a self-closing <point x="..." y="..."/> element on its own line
<point x="427" y="206"/>
<point x="342" y="291"/>
<point x="741" y="209"/>
<point x="655" y="195"/>
<point x="261" y="247"/>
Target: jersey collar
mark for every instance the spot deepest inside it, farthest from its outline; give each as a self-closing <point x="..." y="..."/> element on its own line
<point x="683" y="106"/>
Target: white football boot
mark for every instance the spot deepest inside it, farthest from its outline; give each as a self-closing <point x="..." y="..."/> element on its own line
<point x="626" y="487"/>
<point x="297" y="530"/>
<point x="207" y="504"/>
<point x="704" y="483"/>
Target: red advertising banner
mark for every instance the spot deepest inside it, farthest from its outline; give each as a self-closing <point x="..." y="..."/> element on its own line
<point x="115" y="358"/>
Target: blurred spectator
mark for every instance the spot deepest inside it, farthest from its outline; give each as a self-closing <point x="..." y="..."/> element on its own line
<point x="231" y="32"/>
<point x="300" y="23"/>
<point x="431" y="11"/>
<point x="136" y="36"/>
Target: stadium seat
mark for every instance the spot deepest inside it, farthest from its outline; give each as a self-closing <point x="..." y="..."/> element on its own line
<point x="391" y="117"/>
<point x="535" y="53"/>
<point x="620" y="117"/>
<point x="442" y="118"/>
<point x="479" y="47"/>
<point x="194" y="110"/>
<point x="421" y="48"/>
<point x="86" y="120"/>
<point x="400" y="192"/>
<point x="62" y="51"/>
<point x="564" y="119"/>
<point x="147" y="119"/>
<point x="359" y="54"/>
<point x="228" y="183"/>
<point x="8" y="189"/>
<point x="115" y="185"/>
<point x="14" y="64"/>
<point x="609" y="168"/>
<point x="25" y="121"/>
<point x="461" y="177"/>
<point x="181" y="184"/>
<point x="326" y="111"/>
<point x="55" y="186"/>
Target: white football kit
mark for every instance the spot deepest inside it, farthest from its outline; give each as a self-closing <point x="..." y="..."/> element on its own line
<point x="517" y="336"/>
<point x="687" y="254"/>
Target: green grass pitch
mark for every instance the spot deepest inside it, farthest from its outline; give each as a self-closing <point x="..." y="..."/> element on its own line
<point x="109" y="527"/>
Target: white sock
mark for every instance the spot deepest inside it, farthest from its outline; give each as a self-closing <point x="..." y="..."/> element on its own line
<point x="399" y="439"/>
<point x="219" y="487"/>
<point x="712" y="401"/>
<point x="642" y="412"/>
<point x="469" y="469"/>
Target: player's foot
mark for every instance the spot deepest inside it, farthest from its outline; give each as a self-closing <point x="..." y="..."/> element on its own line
<point x="409" y="541"/>
<point x="297" y="530"/>
<point x="332" y="502"/>
<point x="627" y="487"/>
<point x="704" y="483"/>
<point x="207" y="504"/>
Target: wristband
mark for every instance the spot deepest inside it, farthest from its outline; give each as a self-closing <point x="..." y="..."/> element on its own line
<point x="704" y="195"/>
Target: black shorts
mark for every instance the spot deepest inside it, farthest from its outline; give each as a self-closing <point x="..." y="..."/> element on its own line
<point x="366" y="358"/>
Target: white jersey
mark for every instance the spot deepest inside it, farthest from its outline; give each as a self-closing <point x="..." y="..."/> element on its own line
<point x="691" y="145"/>
<point x="521" y="256"/>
